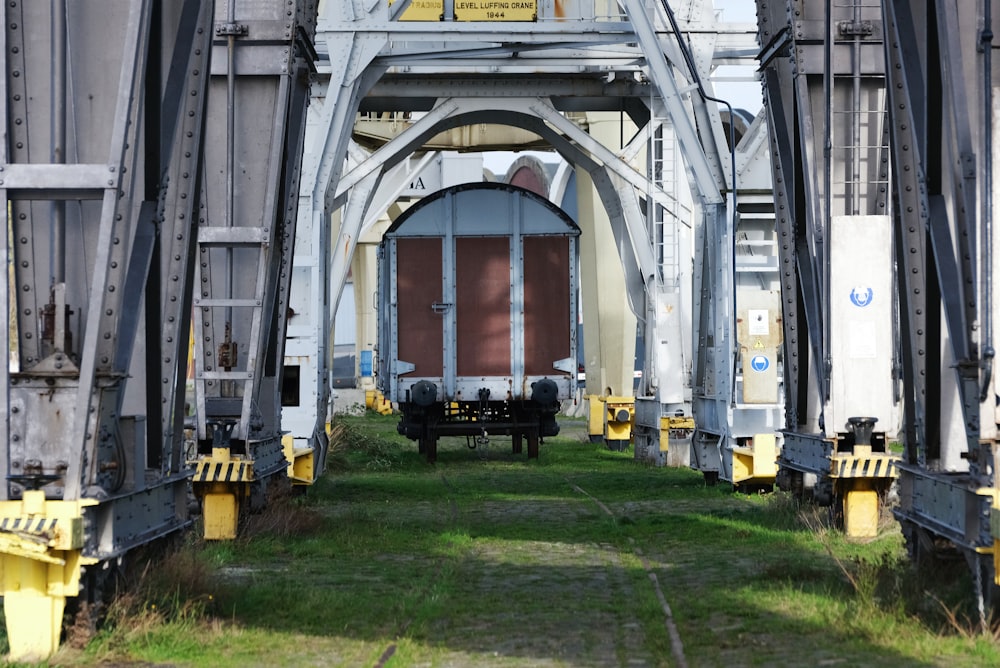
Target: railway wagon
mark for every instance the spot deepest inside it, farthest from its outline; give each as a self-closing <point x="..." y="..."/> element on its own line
<point x="477" y="307"/>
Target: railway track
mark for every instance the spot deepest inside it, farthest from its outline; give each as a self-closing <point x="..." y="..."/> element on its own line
<point x="580" y="558"/>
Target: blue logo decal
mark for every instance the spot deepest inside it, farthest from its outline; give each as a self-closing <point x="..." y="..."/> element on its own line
<point x="759" y="363"/>
<point x="861" y="296"/>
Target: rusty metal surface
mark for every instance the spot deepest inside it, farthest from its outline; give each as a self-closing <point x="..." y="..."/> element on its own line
<point x="546" y="303"/>
<point x="482" y="309"/>
<point x="418" y="287"/>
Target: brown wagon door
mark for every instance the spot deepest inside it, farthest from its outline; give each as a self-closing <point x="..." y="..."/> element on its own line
<point x="418" y="288"/>
<point x="546" y="303"/>
<point x="482" y="310"/>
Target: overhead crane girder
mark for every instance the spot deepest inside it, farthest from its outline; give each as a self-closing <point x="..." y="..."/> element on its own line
<point x="629" y="55"/>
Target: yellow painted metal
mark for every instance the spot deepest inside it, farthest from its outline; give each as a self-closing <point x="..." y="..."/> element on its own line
<point x="221" y="466"/>
<point x="376" y="401"/>
<point x="595" y="419"/>
<point x="994" y="493"/>
<point x="220" y="509"/>
<point x="619" y="416"/>
<point x="41" y="555"/>
<point x="861" y="508"/>
<point x="857" y="477"/>
<point x="34" y="618"/>
<point x="496" y="10"/>
<point x="996" y="561"/>
<point x="758" y="461"/>
<point x="674" y="425"/>
<point x="301" y="470"/>
<point x="222" y="481"/>
<point x="423" y="10"/>
<point x="863" y="463"/>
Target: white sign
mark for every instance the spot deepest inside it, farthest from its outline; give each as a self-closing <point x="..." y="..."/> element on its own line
<point x="758" y="321"/>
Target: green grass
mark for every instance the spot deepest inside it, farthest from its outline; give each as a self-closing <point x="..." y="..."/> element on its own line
<point x="509" y="562"/>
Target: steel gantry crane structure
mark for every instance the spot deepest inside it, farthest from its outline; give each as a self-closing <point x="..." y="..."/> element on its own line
<point x="150" y="161"/>
<point x="883" y="117"/>
<point x="942" y="118"/>
<point x="824" y="83"/>
<point x="432" y="66"/>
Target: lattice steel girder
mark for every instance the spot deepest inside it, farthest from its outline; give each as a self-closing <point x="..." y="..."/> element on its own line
<point x="936" y="126"/>
<point x="809" y="453"/>
<point x="735" y="40"/>
<point x="951" y="505"/>
<point x="258" y="95"/>
<point x="107" y="259"/>
<point x="523" y="113"/>
<point x="701" y="153"/>
<point x="823" y="82"/>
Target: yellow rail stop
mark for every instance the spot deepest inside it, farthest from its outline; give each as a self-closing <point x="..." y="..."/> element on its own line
<point x="222" y="483"/>
<point x="41" y="554"/>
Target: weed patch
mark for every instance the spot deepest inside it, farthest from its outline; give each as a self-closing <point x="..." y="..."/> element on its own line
<point x="487" y="558"/>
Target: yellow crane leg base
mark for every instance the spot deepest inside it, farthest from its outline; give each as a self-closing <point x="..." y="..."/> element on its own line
<point x="861" y="513"/>
<point x="301" y="470"/>
<point x="221" y="513"/>
<point x="34" y="612"/>
<point x="595" y="419"/>
<point x="619" y="416"/>
<point x="996" y="562"/>
<point x="40" y="560"/>
<point x="756" y="462"/>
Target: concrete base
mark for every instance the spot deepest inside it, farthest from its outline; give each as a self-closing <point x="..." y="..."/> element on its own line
<point x="349" y="401"/>
<point x="648" y="452"/>
<point x="678" y="455"/>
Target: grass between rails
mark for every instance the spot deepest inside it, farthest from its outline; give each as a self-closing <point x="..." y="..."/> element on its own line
<point x="502" y="561"/>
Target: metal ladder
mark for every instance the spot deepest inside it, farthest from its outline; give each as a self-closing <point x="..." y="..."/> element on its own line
<point x="664" y="221"/>
<point x="857" y="127"/>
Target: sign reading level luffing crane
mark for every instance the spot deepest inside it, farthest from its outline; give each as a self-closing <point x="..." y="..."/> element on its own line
<point x="471" y="10"/>
<point x="495" y="10"/>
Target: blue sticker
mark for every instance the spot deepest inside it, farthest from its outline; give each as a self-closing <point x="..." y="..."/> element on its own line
<point x="759" y="363"/>
<point x="861" y="296"/>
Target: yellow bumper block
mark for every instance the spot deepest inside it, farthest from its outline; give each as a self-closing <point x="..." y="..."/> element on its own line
<point x="757" y="462"/>
<point x="676" y="426"/>
<point x="41" y="544"/>
<point x="619" y="416"/>
<point x="861" y="511"/>
<point x="857" y="478"/>
<point x="376" y="401"/>
<point x="863" y="464"/>
<point x="301" y="470"/>
<point x="222" y="482"/>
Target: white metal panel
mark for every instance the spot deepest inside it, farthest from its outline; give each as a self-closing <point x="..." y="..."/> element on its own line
<point x="861" y="322"/>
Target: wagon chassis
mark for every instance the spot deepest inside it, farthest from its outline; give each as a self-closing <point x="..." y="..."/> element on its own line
<point x="521" y="420"/>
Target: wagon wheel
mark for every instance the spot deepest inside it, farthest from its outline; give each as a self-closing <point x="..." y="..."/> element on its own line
<point x="533" y="444"/>
<point x="429" y="447"/>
